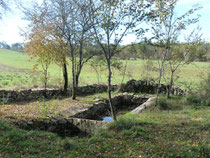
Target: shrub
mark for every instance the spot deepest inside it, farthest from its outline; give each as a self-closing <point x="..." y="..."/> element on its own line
<point x="202" y="96"/>
<point x="5" y="82"/>
<point x="204" y="89"/>
<point x="46" y="108"/>
<point x="193" y="99"/>
<point x="197" y="101"/>
<point x="169" y="104"/>
<point x="4" y="100"/>
<point x="163" y="104"/>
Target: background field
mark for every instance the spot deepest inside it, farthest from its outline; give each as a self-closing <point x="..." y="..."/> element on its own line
<point x="16" y="72"/>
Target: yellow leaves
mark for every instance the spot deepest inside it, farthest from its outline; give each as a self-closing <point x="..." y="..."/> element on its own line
<point x="142" y="3"/>
<point x="112" y="14"/>
<point x="35" y="67"/>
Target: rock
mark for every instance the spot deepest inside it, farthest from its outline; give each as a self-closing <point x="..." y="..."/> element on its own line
<point x="148" y="87"/>
<point x="46" y="121"/>
<point x="30" y="123"/>
<point x="62" y="121"/>
<point x="125" y="93"/>
<point x="145" y="105"/>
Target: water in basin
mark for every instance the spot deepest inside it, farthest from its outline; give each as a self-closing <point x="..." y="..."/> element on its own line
<point x="107" y="119"/>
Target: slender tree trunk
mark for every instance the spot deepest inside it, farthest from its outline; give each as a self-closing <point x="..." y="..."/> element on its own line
<point x="109" y="91"/>
<point x="74" y="93"/>
<point x="159" y="83"/>
<point x="45" y="79"/>
<point x="171" y="84"/>
<point x="78" y="75"/>
<point x="160" y="76"/>
<point x="65" y="77"/>
<point x="76" y="70"/>
<point x="77" y="80"/>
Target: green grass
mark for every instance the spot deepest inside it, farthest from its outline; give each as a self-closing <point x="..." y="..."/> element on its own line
<point x="174" y="132"/>
<point x="18" y="67"/>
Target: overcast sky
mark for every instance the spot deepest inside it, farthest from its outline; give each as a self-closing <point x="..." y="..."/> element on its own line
<point x="12" y="22"/>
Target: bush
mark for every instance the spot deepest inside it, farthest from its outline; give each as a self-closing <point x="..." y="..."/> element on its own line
<point x="193" y="99"/>
<point x="198" y="101"/>
<point x="202" y="96"/>
<point x="204" y="89"/>
<point x="169" y="104"/>
<point x="5" y="82"/>
<point x="46" y="108"/>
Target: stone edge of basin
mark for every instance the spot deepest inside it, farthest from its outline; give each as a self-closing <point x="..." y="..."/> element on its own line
<point x="144" y="106"/>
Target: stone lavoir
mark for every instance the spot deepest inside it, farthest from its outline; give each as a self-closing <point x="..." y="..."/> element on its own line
<point x="87" y="121"/>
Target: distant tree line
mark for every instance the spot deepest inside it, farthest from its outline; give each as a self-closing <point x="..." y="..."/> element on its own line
<point x="15" y="46"/>
<point x="143" y="50"/>
<point x="146" y="50"/>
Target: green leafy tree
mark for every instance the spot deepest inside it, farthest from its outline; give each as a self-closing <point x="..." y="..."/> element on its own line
<point x="73" y="25"/>
<point x="111" y="21"/>
<point x="167" y="28"/>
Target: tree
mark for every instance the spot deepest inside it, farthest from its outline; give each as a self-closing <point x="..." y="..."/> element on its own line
<point x="167" y="28"/>
<point x="111" y="22"/>
<point x="202" y="52"/>
<point x="4" y="45"/>
<point x="73" y="25"/>
<point x="47" y="31"/>
<point x="40" y="47"/>
<point x="180" y="56"/>
<point x="17" y="47"/>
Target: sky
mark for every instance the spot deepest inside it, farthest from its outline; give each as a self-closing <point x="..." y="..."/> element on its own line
<point x="12" y="22"/>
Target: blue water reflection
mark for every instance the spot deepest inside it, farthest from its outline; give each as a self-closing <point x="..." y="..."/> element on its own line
<point x="107" y="119"/>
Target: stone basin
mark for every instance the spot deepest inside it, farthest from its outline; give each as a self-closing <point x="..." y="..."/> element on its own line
<point x="88" y="120"/>
<point x="122" y="104"/>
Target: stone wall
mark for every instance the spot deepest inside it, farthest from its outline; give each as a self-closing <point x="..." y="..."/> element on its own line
<point x="131" y="86"/>
<point x="28" y="94"/>
<point x="148" y="87"/>
<point x="92" y="89"/>
<point x="32" y="94"/>
<point x="62" y="126"/>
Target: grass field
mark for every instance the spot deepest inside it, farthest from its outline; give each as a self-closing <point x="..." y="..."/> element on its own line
<point x="16" y="72"/>
<point x="177" y="127"/>
<point x="181" y="131"/>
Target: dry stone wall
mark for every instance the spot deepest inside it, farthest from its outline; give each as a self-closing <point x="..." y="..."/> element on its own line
<point x="148" y="87"/>
<point x="131" y="86"/>
<point x="28" y="94"/>
<point x="62" y="126"/>
<point x="32" y="94"/>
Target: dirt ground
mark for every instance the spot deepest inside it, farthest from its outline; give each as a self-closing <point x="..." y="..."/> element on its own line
<point x="46" y="108"/>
